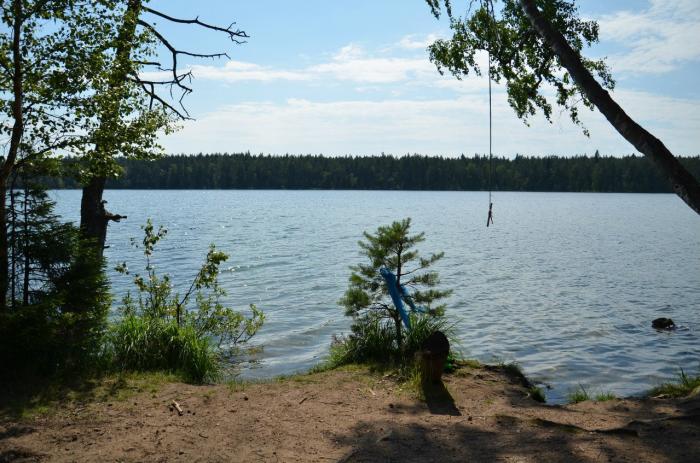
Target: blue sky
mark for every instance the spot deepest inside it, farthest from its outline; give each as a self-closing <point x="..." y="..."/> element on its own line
<point x="338" y="78"/>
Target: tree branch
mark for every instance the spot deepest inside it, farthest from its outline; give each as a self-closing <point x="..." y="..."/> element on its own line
<point x="682" y="181"/>
<point x="234" y="35"/>
<point x="149" y="88"/>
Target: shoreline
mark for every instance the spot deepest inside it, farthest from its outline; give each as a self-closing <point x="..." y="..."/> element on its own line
<point x="479" y="413"/>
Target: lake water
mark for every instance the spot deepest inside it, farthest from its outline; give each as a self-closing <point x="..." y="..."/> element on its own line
<point x="564" y="284"/>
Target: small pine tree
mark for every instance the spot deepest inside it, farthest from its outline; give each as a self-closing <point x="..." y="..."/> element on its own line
<point x="51" y="325"/>
<point x="367" y="298"/>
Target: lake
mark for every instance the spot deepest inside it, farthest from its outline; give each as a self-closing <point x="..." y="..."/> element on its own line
<point x="566" y="284"/>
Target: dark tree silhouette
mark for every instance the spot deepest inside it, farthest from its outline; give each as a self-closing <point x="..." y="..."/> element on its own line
<point x="628" y="174"/>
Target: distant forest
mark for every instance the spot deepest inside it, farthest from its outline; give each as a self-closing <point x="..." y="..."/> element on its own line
<point x="413" y="172"/>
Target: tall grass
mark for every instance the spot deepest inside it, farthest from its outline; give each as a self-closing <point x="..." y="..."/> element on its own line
<point x="582" y="395"/>
<point x="578" y="395"/>
<point x="373" y="340"/>
<point x="605" y="396"/>
<point x="684" y="386"/>
<point x="151" y="344"/>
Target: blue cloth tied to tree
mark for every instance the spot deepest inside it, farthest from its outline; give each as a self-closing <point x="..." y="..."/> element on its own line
<point x="398" y="294"/>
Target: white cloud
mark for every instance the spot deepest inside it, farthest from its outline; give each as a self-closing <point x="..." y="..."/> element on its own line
<point x="400" y="108"/>
<point x="417" y="42"/>
<point x="236" y="71"/>
<point x="658" y="39"/>
<point x="233" y="71"/>
<point x="442" y="126"/>
<point x="374" y="70"/>
<point x="349" y="52"/>
<point x="342" y="127"/>
<point x="467" y="85"/>
<point x="350" y="63"/>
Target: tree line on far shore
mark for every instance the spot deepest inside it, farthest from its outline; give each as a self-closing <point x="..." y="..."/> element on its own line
<point x="412" y="172"/>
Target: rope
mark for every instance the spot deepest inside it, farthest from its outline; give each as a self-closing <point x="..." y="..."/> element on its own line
<point x="489" y="7"/>
<point x="490" y="132"/>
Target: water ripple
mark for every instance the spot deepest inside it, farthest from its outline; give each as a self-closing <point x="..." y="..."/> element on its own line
<point x="565" y="284"/>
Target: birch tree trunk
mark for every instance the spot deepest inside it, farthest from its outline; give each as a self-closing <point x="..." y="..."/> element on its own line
<point x="682" y="181"/>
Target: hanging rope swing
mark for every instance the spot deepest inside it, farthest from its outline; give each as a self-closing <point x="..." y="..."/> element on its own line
<point x="489" y="218"/>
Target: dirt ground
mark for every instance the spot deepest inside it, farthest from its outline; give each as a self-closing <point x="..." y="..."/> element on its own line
<point x="353" y="415"/>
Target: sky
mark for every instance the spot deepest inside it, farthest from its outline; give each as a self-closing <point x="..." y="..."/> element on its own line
<point x="340" y="77"/>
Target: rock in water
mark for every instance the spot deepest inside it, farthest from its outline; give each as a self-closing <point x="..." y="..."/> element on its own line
<point x="663" y="324"/>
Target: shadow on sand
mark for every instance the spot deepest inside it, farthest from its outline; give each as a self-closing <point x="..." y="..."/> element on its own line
<point x="439" y="400"/>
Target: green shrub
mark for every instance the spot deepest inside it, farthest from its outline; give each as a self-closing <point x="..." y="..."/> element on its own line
<point x="578" y="395"/>
<point x="372" y="340"/>
<point x="605" y="396"/>
<point x="29" y="342"/>
<point x="161" y="330"/>
<point x="683" y="387"/>
<point x="422" y="326"/>
<point x="537" y="394"/>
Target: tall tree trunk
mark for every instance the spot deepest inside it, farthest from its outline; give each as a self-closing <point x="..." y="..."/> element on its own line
<point x="682" y="181"/>
<point x="4" y="255"/>
<point x="94" y="218"/>
<point x="15" y="139"/>
<point x="399" y="334"/>
<point x="25" y="231"/>
<point x="13" y="245"/>
<point x="93" y="215"/>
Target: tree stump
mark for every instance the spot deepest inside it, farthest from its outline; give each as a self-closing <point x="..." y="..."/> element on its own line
<point x="432" y="357"/>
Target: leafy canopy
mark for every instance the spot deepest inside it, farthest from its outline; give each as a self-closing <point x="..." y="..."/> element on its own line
<point x="534" y="77"/>
<point x="68" y="53"/>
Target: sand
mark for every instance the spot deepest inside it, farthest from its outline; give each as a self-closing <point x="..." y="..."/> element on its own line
<point x="354" y="415"/>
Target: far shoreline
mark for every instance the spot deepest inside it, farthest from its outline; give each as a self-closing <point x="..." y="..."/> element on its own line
<point x="382" y="190"/>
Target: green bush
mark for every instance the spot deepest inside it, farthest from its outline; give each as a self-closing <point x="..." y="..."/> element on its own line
<point x="578" y="395"/>
<point x="684" y="386"/>
<point x="422" y="326"/>
<point x="29" y="343"/>
<point x="152" y="344"/>
<point x="53" y="336"/>
<point x="537" y="394"/>
<point x="372" y="340"/>
<point x="192" y="334"/>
